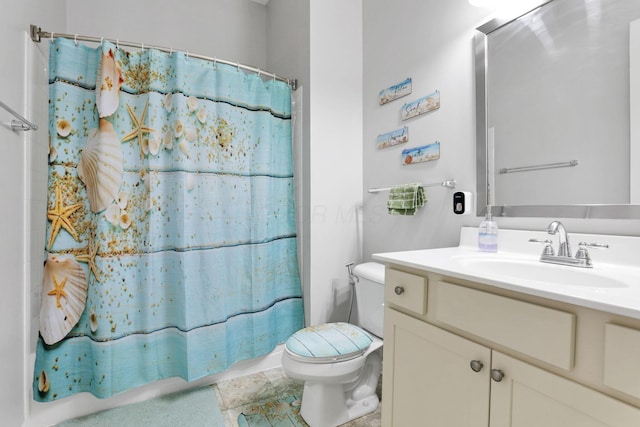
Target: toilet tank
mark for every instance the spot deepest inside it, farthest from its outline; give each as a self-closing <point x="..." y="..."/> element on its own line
<point x="369" y="297"/>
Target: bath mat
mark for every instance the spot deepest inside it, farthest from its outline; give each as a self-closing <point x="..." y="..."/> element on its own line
<point x="281" y="412"/>
<point x="198" y="407"/>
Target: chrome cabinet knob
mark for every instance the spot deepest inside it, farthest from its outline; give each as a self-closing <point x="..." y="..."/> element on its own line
<point x="476" y="365"/>
<point x="497" y="375"/>
<point x="399" y="290"/>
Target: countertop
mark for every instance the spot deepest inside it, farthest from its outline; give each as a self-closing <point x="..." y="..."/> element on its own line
<point x="612" y="285"/>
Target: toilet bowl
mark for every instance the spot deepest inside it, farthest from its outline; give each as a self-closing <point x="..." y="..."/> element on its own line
<point x="340" y="363"/>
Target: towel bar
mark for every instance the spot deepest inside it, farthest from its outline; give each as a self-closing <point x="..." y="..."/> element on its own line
<point x="568" y="164"/>
<point x="450" y="183"/>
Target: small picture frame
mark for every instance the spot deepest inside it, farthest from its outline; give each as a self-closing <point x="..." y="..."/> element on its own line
<point x="425" y="153"/>
<point x="396" y="91"/>
<point x="420" y="106"/>
<point x="389" y="139"/>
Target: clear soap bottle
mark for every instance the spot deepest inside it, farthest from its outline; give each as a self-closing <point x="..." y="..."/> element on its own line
<point x="488" y="234"/>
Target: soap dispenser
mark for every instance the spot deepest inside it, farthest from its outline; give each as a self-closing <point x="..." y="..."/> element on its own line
<point x="488" y="233"/>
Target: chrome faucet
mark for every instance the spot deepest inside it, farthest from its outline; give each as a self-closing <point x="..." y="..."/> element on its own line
<point x="564" y="256"/>
<point x="564" y="249"/>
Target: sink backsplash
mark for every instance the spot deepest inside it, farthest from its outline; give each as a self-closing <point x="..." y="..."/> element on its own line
<point x="623" y="250"/>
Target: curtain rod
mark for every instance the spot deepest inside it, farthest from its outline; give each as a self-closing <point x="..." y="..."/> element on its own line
<point x="37" y="34"/>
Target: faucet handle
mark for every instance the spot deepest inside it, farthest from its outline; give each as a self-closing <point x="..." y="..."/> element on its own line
<point x="583" y="253"/>
<point x="548" y="249"/>
<point x="593" y="245"/>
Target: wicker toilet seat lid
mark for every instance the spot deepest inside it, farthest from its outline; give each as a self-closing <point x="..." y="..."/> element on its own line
<point x="328" y="342"/>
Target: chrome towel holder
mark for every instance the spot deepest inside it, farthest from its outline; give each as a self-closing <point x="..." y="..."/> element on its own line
<point x="569" y="164"/>
<point x="450" y="183"/>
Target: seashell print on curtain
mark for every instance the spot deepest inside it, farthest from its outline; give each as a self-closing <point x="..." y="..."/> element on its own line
<point x="171" y="238"/>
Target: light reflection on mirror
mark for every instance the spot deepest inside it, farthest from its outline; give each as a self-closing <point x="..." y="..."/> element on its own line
<point x="558" y="90"/>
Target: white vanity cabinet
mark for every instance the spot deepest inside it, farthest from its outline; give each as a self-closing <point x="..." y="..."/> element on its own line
<point x="456" y="358"/>
<point x="427" y="379"/>
<point x="528" y="396"/>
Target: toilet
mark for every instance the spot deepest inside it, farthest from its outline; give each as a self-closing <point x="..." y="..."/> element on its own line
<point x="340" y="363"/>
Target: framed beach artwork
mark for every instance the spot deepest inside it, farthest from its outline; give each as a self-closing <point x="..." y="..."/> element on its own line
<point x="396" y="91"/>
<point x="425" y="153"/>
<point x="389" y="139"/>
<point x="420" y="106"/>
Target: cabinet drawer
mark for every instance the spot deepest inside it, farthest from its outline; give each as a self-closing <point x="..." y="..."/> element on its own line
<point x="540" y="332"/>
<point x="621" y="359"/>
<point x="406" y="290"/>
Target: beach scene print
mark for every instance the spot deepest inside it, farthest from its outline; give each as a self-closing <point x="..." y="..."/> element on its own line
<point x="396" y="91"/>
<point x="425" y="153"/>
<point x="389" y="139"/>
<point x="423" y="105"/>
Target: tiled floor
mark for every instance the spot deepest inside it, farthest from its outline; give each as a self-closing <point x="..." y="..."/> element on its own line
<point x="238" y="394"/>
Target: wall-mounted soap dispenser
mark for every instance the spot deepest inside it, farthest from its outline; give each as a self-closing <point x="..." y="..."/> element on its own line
<point x="462" y="202"/>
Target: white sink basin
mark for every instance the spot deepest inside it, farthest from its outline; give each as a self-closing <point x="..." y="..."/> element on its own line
<point x="509" y="268"/>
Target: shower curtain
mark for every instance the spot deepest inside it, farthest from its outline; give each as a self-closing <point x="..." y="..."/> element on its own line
<point x="171" y="241"/>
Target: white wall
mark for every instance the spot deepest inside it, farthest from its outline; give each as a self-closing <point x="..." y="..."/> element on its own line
<point x="433" y="46"/>
<point x="234" y="30"/>
<point x="431" y="42"/>
<point x="288" y="55"/>
<point x="335" y="153"/>
<point x="17" y="176"/>
<point x="308" y="40"/>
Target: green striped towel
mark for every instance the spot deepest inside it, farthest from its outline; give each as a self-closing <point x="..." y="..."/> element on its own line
<point x="405" y="199"/>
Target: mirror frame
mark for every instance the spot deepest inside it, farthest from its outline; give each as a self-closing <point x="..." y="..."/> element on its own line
<point x="600" y="211"/>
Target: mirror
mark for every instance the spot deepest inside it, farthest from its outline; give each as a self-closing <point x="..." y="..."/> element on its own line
<point x="558" y="111"/>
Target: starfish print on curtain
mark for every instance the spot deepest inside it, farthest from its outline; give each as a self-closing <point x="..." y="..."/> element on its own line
<point x="60" y="217"/>
<point x="139" y="129"/>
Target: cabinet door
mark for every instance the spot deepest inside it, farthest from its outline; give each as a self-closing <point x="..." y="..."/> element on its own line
<point x="531" y="397"/>
<point x="427" y="377"/>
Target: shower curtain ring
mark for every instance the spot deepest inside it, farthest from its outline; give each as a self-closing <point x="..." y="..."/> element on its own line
<point x="186" y="58"/>
<point x="101" y="40"/>
<point x="170" y="52"/>
<point x="51" y="36"/>
<point x="75" y="39"/>
<point x="117" y="43"/>
<point x="142" y="47"/>
<point x="259" y="72"/>
<point x="214" y="63"/>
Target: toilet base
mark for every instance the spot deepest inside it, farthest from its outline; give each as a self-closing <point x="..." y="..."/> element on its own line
<point x="319" y="397"/>
<point x="329" y="405"/>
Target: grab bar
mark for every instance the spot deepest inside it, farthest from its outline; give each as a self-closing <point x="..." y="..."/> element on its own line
<point x="20" y="124"/>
